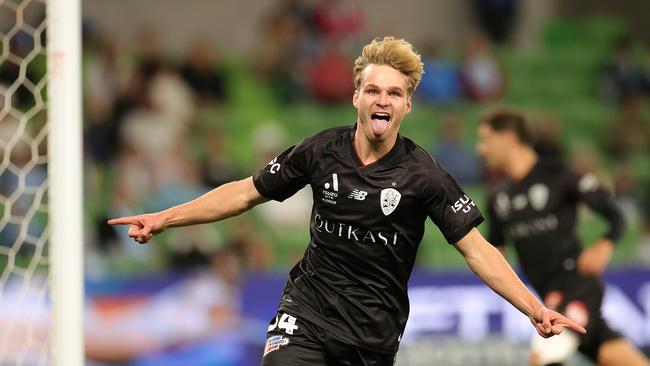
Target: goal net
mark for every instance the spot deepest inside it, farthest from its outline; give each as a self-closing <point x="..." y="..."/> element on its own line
<point x="40" y="183"/>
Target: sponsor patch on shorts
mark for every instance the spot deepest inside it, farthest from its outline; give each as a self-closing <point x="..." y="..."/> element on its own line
<point x="577" y="311"/>
<point x="274" y="343"/>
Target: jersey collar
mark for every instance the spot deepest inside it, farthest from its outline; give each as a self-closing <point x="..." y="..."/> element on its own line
<point x="385" y="160"/>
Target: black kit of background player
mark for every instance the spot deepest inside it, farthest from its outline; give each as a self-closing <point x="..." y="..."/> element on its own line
<point x="535" y="207"/>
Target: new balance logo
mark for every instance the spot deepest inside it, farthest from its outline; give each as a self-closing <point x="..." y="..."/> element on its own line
<point x="358" y="195"/>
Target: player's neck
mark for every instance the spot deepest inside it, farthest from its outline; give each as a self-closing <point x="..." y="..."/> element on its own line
<point x="368" y="151"/>
<point x="522" y="162"/>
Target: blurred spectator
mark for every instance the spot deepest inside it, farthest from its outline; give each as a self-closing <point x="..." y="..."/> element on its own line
<point x="339" y="20"/>
<point x="621" y="76"/>
<point x="497" y="17"/>
<point x="216" y="166"/>
<point x="441" y="82"/>
<point x="202" y="73"/>
<point x="453" y="153"/>
<point x="482" y="75"/>
<point x="105" y="77"/>
<point x="153" y="130"/>
<point x="283" y="50"/>
<point x="330" y="76"/>
<point x="148" y="52"/>
<point x="629" y="132"/>
<point x="269" y="139"/>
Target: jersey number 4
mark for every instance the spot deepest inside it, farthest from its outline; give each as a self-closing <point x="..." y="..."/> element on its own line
<point x="286" y="322"/>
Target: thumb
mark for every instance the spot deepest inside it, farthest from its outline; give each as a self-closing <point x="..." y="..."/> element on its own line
<point x="146" y="230"/>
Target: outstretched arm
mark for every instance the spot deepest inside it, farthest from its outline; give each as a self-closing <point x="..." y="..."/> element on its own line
<point x="486" y="261"/>
<point x="227" y="200"/>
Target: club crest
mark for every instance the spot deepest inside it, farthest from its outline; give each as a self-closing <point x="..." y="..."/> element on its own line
<point x="538" y="194"/>
<point x="389" y="200"/>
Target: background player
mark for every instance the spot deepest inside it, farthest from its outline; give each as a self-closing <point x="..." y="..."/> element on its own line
<point x="346" y="302"/>
<point x="535" y="208"/>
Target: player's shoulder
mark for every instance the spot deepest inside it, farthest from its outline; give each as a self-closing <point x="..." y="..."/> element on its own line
<point x="555" y="172"/>
<point x="325" y="138"/>
<point x="416" y="154"/>
<point x="422" y="164"/>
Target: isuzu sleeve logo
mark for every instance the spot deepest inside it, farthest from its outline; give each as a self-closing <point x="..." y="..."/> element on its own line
<point x="463" y="204"/>
<point x="389" y="200"/>
<point x="275" y="166"/>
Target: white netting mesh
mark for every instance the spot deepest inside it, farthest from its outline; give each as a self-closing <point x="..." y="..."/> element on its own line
<point x="24" y="315"/>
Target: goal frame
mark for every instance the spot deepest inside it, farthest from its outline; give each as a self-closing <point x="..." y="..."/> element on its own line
<point x="65" y="174"/>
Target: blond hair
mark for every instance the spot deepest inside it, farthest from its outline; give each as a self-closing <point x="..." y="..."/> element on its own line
<point x="394" y="52"/>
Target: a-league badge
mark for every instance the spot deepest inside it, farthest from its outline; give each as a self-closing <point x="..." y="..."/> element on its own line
<point x="274" y="343"/>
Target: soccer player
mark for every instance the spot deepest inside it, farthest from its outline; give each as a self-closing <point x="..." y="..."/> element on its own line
<point x="535" y="207"/>
<point x="345" y="302"/>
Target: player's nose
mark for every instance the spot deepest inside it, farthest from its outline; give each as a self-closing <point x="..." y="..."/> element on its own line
<point x="383" y="99"/>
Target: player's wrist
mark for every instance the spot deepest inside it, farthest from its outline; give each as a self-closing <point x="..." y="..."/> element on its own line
<point x="164" y="219"/>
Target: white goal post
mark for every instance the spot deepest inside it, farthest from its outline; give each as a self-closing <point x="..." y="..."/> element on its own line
<point x="66" y="180"/>
<point x="41" y="189"/>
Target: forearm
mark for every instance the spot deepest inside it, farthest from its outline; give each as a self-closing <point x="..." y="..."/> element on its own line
<point x="486" y="261"/>
<point x="495" y="271"/>
<point x="227" y="200"/>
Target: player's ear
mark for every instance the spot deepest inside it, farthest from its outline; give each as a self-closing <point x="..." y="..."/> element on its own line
<point x="355" y="97"/>
<point x="408" y="104"/>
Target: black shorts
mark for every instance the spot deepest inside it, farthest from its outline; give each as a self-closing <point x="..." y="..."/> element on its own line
<point x="580" y="298"/>
<point x="297" y="342"/>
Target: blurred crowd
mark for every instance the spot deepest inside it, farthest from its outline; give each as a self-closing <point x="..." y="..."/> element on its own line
<point x="157" y="128"/>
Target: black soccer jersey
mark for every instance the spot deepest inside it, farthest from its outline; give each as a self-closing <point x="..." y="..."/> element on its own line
<point x="538" y="214"/>
<point x="366" y="224"/>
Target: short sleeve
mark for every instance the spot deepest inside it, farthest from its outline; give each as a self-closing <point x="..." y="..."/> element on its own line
<point x="449" y="207"/>
<point x="285" y="175"/>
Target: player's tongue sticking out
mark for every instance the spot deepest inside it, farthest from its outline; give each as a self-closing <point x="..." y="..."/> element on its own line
<point x="379" y="123"/>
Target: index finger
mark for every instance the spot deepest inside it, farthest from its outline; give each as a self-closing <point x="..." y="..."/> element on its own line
<point x="566" y="322"/>
<point x="124" y="221"/>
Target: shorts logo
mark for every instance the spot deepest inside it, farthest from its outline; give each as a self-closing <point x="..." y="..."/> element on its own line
<point x="274" y="343"/>
<point x="389" y="200"/>
<point x="358" y="195"/>
<point x="577" y="311"/>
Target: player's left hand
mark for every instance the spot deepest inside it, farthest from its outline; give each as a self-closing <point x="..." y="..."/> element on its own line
<point x="595" y="259"/>
<point x="550" y="323"/>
